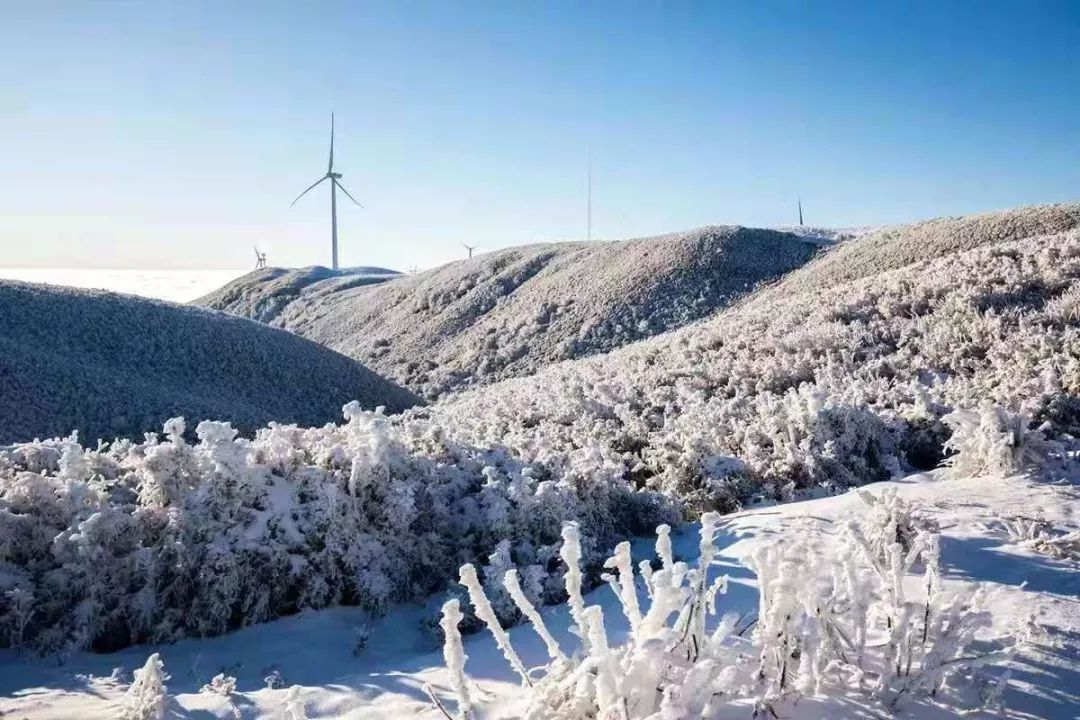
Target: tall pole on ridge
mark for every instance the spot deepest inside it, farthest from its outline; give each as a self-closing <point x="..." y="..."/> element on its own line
<point x="588" y="198"/>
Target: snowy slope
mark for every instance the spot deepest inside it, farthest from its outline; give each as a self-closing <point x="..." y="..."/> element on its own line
<point x="902" y="245"/>
<point x="317" y="651"/>
<point x="816" y="381"/>
<point x="262" y="294"/>
<point x="109" y="365"/>
<point x="511" y="312"/>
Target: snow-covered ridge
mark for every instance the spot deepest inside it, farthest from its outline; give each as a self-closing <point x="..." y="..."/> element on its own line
<point x="836" y="386"/>
<point x="262" y="294"/>
<point x="512" y="312"/>
<point x="112" y="365"/>
<point x="898" y="246"/>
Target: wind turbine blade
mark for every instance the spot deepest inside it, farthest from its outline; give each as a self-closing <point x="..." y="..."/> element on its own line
<point x="309" y="189"/>
<point x="342" y="188"/>
<point x="330" y="167"/>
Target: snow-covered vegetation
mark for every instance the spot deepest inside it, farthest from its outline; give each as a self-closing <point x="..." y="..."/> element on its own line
<point x="822" y="387"/>
<point x="154" y="540"/>
<point x="827" y="389"/>
<point x="305" y="666"/>
<point x="827" y="623"/>
<point x="965" y="360"/>
<point x="511" y="312"/>
<point x="114" y="365"/>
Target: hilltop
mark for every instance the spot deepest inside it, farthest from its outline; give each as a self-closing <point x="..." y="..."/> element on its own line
<point x="112" y="365"/>
<point x="512" y="312"/>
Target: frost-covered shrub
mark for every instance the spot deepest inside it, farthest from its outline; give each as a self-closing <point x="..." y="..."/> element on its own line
<point x="220" y="684"/>
<point x="152" y="541"/>
<point x="889" y="520"/>
<point x="994" y="441"/>
<point x="147" y="696"/>
<point x="824" y="625"/>
<point x="1039" y="535"/>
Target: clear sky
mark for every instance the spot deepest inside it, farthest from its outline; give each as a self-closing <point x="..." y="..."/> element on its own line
<point x="163" y="134"/>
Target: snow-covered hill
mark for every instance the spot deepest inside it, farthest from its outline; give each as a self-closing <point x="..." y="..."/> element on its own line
<point x="512" y="312"/>
<point x="817" y="380"/>
<point x="112" y="365"/>
<point x="262" y="294"/>
<point x="962" y="337"/>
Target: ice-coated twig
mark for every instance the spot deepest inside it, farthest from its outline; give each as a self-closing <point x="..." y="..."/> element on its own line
<point x="454" y="655"/>
<point x="663" y="546"/>
<point x="570" y="552"/>
<point x="513" y="586"/>
<point x="626" y="589"/>
<point x="486" y="613"/>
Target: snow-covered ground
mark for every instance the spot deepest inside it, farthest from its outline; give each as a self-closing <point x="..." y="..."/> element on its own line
<point x="174" y="285"/>
<point x="346" y="665"/>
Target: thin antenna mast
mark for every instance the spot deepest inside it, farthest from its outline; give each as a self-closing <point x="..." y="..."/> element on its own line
<point x="588" y="197"/>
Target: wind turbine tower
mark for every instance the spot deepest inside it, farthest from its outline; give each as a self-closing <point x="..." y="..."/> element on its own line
<point x="335" y="185"/>
<point x="470" y="248"/>
<point x="800" y="212"/>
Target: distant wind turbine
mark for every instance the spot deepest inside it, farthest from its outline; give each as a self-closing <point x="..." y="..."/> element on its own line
<point x="333" y="177"/>
<point x="260" y="258"/>
<point x="470" y="248"/>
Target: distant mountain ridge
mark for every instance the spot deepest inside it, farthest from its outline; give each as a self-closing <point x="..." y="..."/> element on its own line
<point x="511" y="312"/>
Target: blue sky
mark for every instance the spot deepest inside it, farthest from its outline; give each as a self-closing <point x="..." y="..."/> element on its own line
<point x="176" y="134"/>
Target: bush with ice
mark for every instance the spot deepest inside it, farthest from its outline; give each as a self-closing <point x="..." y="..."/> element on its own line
<point x="826" y="625"/>
<point x="152" y="541"/>
<point x="995" y="441"/>
<point x="147" y="696"/>
<point x="1039" y="535"/>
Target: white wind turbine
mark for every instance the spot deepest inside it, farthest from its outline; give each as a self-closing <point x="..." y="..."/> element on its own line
<point x="333" y="177"/>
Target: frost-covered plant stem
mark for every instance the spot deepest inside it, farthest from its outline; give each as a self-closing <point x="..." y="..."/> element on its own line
<point x="570" y="552"/>
<point x="626" y="589"/>
<point x="513" y="586"/>
<point x="454" y="655"/>
<point x="486" y="613"/>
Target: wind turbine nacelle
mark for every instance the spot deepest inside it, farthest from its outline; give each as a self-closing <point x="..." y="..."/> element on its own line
<point x="334" y="175"/>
